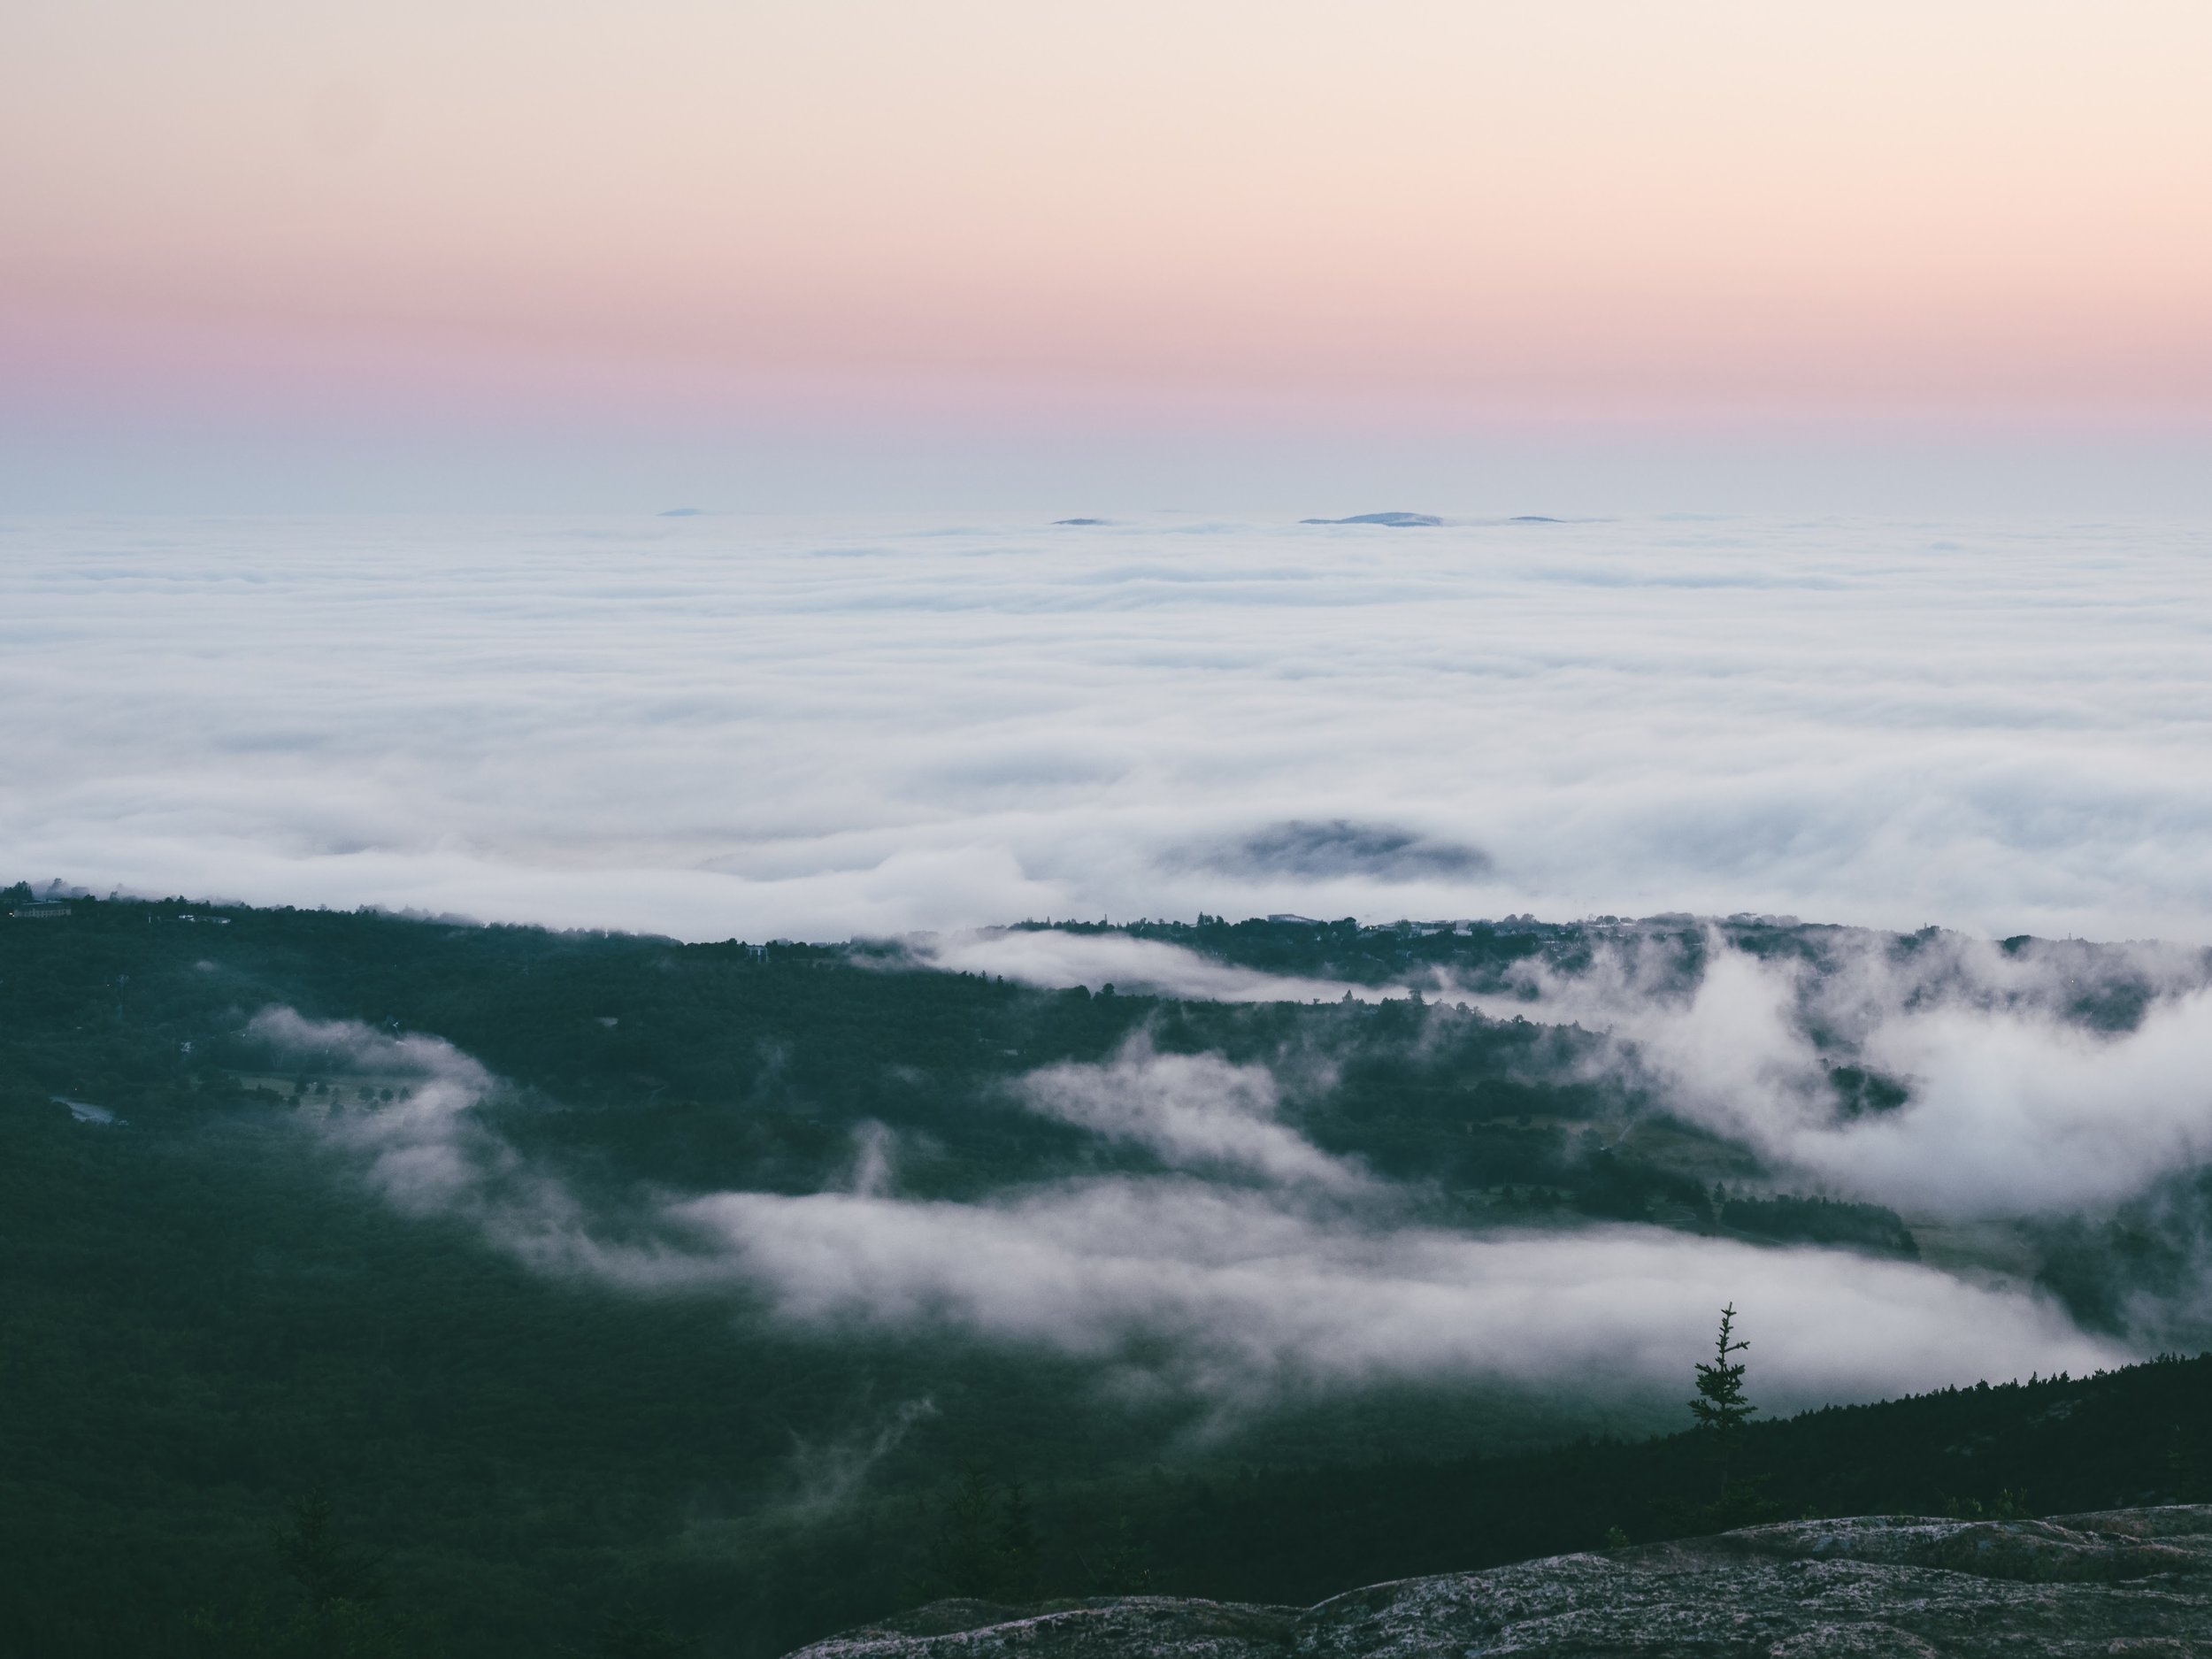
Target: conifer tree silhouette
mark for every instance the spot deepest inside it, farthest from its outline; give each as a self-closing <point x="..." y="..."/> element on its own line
<point x="325" y="1571"/>
<point x="1720" y="1407"/>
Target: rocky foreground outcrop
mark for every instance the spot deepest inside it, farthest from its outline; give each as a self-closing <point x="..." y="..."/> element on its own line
<point x="2120" y="1581"/>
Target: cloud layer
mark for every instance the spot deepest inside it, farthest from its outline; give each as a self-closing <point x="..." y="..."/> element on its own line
<point x="711" y="726"/>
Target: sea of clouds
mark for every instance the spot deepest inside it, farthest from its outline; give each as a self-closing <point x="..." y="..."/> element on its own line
<point x="735" y="725"/>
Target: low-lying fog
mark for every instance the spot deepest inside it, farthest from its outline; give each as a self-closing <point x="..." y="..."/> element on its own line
<point x="2017" y="1107"/>
<point x="1257" y="1267"/>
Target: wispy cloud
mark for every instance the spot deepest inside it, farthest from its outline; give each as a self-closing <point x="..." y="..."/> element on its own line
<point x="1056" y="959"/>
<point x="830" y="1472"/>
<point x="1196" y="1111"/>
<point x="2018" y="1103"/>
<point x="1235" y="1295"/>
<point x="1238" y="1296"/>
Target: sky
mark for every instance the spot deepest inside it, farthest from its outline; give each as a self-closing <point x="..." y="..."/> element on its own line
<point x="575" y="254"/>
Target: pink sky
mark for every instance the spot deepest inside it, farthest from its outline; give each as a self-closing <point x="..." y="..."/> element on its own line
<point x="1421" y="211"/>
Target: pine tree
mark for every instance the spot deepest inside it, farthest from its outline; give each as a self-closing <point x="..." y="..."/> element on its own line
<point x="1720" y="1407"/>
<point x="2183" y="1464"/>
<point x="626" y="1633"/>
<point x="325" y="1571"/>
<point x="986" y="1545"/>
<point x="1016" y="1546"/>
<point x="964" y="1559"/>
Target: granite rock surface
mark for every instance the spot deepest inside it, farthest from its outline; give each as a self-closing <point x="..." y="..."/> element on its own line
<point x="2133" y="1582"/>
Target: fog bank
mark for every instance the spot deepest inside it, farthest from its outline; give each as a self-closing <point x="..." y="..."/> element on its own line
<point x="753" y="726"/>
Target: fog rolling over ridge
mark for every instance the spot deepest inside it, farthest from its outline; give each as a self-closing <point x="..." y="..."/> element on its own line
<point x="2044" y="1076"/>
<point x="2028" y="1094"/>
<point x="726" y="725"/>
<point x="1241" y="1293"/>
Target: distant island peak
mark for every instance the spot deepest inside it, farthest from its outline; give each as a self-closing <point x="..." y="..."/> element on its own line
<point x="1395" y="520"/>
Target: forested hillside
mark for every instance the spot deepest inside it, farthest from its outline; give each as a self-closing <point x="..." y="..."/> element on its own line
<point x="206" y="1317"/>
<point x="749" y="1065"/>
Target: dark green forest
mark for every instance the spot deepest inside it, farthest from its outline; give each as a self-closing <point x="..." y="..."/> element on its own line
<point x="238" y="1391"/>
